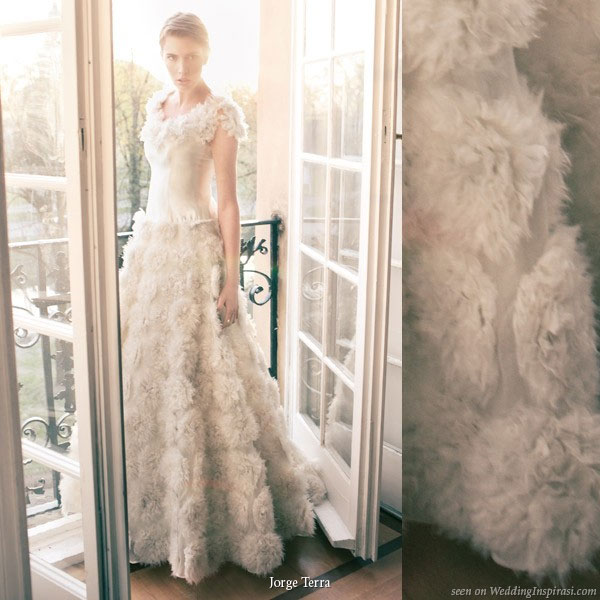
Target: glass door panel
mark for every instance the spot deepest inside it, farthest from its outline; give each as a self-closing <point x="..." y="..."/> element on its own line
<point x="32" y="84"/>
<point x="347" y="119"/>
<point x="313" y="207"/>
<point x="310" y="387"/>
<point x="317" y="33"/>
<point x="350" y="31"/>
<point x="344" y="229"/>
<point x="311" y="299"/>
<point x="41" y="138"/>
<point x="341" y="321"/>
<point x="331" y="188"/>
<point x="340" y="410"/>
<point x="316" y="101"/>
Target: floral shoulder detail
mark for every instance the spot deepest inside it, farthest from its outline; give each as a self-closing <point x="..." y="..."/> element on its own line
<point x="156" y="99"/>
<point x="199" y="124"/>
<point x="231" y="117"/>
<point x="152" y="112"/>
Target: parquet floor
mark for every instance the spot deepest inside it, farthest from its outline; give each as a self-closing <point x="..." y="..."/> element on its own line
<point x="314" y="558"/>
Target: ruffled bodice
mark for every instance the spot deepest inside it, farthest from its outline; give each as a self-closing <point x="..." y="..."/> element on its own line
<point x="180" y="156"/>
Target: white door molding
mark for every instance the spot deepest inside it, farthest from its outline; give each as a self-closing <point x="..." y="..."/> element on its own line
<point x="383" y="144"/>
<point x="99" y="258"/>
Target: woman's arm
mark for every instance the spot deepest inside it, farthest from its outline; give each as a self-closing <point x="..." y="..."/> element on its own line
<point x="224" y="151"/>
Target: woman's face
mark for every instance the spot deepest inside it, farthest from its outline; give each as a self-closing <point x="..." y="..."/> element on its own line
<point x="183" y="57"/>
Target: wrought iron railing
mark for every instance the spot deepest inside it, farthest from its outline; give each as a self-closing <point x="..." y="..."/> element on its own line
<point x="49" y="258"/>
<point x="251" y="245"/>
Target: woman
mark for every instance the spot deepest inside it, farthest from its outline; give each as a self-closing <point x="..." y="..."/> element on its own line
<point x="211" y="474"/>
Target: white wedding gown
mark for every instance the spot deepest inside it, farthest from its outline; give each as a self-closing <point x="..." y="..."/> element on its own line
<point x="211" y="473"/>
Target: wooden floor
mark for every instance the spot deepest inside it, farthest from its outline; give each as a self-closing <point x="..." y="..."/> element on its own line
<point x="434" y="566"/>
<point x="348" y="576"/>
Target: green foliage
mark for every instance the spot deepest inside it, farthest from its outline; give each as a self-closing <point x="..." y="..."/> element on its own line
<point x="245" y="96"/>
<point x="133" y="85"/>
<point x="32" y="111"/>
<point x="33" y="137"/>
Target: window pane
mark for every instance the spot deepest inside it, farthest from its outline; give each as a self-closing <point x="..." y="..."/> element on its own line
<point x="55" y="536"/>
<point x="32" y="103"/>
<point x="313" y="205"/>
<point x="338" y="429"/>
<point x="344" y="230"/>
<point x="39" y="268"/>
<point x="351" y="17"/>
<point x="310" y="386"/>
<point x="48" y="417"/>
<point x="316" y="100"/>
<point x="36" y="214"/>
<point x="347" y="118"/>
<point x="317" y="27"/>
<point x="32" y="10"/>
<point x="311" y="299"/>
<point x="341" y="311"/>
<point x="46" y="390"/>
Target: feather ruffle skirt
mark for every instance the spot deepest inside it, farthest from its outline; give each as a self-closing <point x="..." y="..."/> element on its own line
<point x="211" y="473"/>
<point x="501" y="422"/>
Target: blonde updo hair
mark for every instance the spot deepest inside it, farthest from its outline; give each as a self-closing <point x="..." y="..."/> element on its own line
<point x="186" y="24"/>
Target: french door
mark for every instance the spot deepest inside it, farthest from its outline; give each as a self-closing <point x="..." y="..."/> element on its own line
<point x="59" y="303"/>
<point x="345" y="71"/>
<point x="391" y="484"/>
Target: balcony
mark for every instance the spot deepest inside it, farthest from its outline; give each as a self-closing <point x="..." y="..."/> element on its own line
<point x="43" y="337"/>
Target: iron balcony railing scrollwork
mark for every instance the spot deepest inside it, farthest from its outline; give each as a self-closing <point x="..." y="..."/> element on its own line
<point x="53" y="429"/>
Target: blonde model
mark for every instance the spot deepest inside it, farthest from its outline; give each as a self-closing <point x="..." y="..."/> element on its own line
<point x="211" y="473"/>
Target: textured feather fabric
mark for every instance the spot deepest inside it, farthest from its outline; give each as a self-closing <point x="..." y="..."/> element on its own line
<point x="501" y="433"/>
<point x="437" y="36"/>
<point x="198" y="124"/>
<point x="211" y="474"/>
<point x="563" y="61"/>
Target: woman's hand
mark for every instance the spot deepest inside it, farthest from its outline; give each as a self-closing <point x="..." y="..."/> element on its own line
<point x="227" y="306"/>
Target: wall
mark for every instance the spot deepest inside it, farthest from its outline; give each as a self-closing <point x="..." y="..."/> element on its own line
<point x="273" y="125"/>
